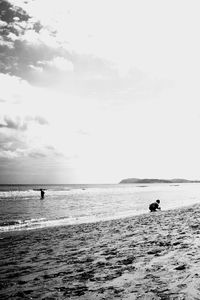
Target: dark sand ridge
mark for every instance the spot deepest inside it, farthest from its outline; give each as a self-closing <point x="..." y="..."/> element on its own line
<point x="152" y="256"/>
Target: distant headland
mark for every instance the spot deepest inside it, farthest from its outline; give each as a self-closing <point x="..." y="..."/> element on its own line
<point x="146" y="180"/>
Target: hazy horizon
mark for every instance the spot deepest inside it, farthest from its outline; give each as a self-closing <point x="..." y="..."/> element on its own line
<point x="102" y="183"/>
<point x="98" y="91"/>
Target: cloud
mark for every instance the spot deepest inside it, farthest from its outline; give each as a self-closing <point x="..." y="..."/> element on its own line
<point x="47" y="151"/>
<point x="28" y="48"/>
<point x="39" y="54"/>
<point x="19" y="123"/>
<point x="23" y="56"/>
<point x="8" y="154"/>
<point x="37" y="154"/>
<point x="11" y="142"/>
<point x="12" y="146"/>
<point x="24" y="41"/>
<point x="13" y="19"/>
<point x="40" y="120"/>
<point x="59" y="63"/>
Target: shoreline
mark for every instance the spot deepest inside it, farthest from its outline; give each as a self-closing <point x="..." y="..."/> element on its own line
<point x="55" y="223"/>
<point x="149" y="256"/>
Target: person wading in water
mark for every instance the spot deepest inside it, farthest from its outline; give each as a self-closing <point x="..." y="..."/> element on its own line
<point x="42" y="193"/>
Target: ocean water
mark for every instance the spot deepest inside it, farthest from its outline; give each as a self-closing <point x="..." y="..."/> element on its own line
<point x="22" y="209"/>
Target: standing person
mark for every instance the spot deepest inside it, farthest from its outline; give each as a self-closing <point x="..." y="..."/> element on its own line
<point x="42" y="193"/>
<point x="154" y="206"/>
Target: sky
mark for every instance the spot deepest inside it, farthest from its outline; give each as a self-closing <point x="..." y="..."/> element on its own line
<point x="97" y="91"/>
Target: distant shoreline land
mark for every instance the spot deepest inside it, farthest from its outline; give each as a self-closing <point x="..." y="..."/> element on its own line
<point x="146" y="180"/>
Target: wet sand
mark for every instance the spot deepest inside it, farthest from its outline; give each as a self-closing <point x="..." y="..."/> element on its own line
<point x="152" y="256"/>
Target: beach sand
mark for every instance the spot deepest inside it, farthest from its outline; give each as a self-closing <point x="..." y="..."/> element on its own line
<point x="151" y="256"/>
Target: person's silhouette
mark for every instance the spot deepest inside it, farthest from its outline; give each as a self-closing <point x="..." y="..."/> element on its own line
<point x="154" y="206"/>
<point x="42" y="193"/>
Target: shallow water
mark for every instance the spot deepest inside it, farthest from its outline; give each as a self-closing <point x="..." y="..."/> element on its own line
<point x="22" y="209"/>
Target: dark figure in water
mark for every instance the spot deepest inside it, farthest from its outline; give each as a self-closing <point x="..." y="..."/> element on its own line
<point x="154" y="206"/>
<point x="42" y="193"/>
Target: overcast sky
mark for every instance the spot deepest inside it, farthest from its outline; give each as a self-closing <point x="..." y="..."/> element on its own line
<point x="97" y="91"/>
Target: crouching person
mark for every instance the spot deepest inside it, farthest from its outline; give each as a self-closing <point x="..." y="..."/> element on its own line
<point x="154" y="206"/>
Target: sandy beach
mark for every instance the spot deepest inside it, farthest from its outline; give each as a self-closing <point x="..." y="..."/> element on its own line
<point x="151" y="256"/>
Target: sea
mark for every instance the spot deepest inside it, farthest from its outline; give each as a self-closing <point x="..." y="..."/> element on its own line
<point x="21" y="207"/>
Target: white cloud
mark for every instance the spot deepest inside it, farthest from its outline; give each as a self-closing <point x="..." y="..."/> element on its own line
<point x="43" y="37"/>
<point x="152" y="36"/>
<point x="62" y="64"/>
<point x="59" y="63"/>
<point x="36" y="69"/>
<point x="8" y="154"/>
<point x="2" y="23"/>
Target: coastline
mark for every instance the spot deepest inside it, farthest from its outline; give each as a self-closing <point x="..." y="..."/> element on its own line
<point x="149" y="256"/>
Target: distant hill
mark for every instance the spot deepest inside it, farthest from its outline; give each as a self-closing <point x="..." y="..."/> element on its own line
<point x="145" y="180"/>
